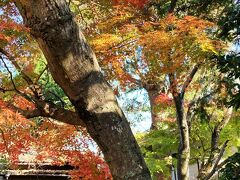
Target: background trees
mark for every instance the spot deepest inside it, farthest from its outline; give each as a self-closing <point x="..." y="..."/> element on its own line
<point x="161" y="56"/>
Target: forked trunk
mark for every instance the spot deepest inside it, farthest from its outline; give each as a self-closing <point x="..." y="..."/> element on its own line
<point x="74" y="67"/>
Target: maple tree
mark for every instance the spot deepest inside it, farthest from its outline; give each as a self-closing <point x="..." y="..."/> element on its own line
<point x="137" y="52"/>
<point x="142" y="53"/>
<point x="134" y="46"/>
<point x="48" y="141"/>
<point x="160" y="146"/>
<point x="20" y="136"/>
<point x="31" y="89"/>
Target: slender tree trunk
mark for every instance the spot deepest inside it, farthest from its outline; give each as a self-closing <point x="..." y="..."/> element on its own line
<point x="74" y="67"/>
<point x="184" y="146"/>
<point x="183" y="122"/>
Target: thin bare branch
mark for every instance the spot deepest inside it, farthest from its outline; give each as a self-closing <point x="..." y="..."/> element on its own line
<point x="40" y="75"/>
<point x="189" y="79"/>
<point x="43" y="108"/>
<point x="34" y="88"/>
<point x="10" y="73"/>
<point x="6" y="90"/>
<point x="54" y="94"/>
<point x="215" y="154"/>
<point x="13" y="61"/>
<point x="214" y="169"/>
<point x="218" y="128"/>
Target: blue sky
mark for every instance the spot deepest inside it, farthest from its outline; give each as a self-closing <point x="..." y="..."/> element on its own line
<point x="140" y="120"/>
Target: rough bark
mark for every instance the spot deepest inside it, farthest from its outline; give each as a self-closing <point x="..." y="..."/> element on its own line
<point x="74" y="67"/>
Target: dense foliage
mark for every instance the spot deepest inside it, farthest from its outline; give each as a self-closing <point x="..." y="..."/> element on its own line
<point x="168" y="48"/>
<point x="231" y="170"/>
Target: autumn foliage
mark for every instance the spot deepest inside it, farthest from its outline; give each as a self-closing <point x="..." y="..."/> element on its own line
<point x="47" y="141"/>
<point x="135" y="51"/>
<point x="132" y="50"/>
<point x="135" y="3"/>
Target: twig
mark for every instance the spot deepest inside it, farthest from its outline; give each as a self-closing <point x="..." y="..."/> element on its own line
<point x="41" y="74"/>
<point x="10" y="73"/>
<point x="12" y="60"/>
<point x="62" y="102"/>
<point x="189" y="79"/>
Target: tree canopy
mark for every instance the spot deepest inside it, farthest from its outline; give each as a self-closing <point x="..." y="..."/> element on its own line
<point x="62" y="66"/>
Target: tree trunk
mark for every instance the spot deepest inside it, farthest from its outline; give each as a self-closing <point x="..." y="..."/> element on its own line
<point x="184" y="146"/>
<point x="183" y="122"/>
<point x="74" y="67"/>
<point x="156" y="114"/>
<point x="153" y="91"/>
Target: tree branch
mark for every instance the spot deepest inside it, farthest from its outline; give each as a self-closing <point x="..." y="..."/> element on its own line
<point x="219" y="127"/>
<point x="29" y="81"/>
<point x="44" y="109"/>
<point x="189" y="79"/>
<point x="50" y="110"/>
<point x="13" y="61"/>
<point x="215" y="154"/>
<point x="41" y="74"/>
<point x="214" y="168"/>
<point x="173" y="85"/>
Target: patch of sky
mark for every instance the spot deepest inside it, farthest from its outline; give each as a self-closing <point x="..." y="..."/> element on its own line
<point x="136" y="107"/>
<point x="140" y="61"/>
<point x="134" y="101"/>
<point x="14" y="16"/>
<point x="4" y="69"/>
<point x="236" y="45"/>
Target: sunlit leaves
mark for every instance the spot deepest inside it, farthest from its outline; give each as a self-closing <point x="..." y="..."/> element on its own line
<point x="177" y="43"/>
<point x="48" y="141"/>
<point x="105" y="42"/>
<point x="163" y="99"/>
<point x="135" y="3"/>
<point x="146" y="50"/>
<point x="158" y="147"/>
<point x="15" y="135"/>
